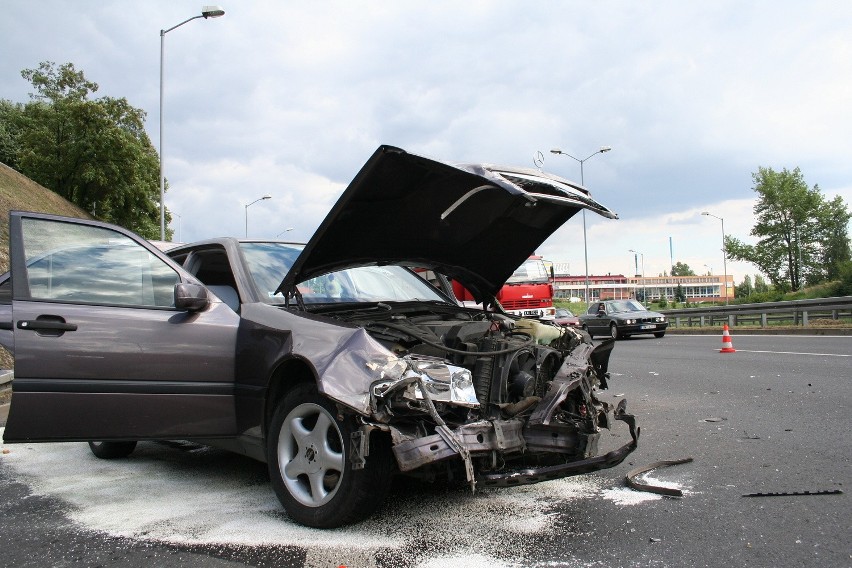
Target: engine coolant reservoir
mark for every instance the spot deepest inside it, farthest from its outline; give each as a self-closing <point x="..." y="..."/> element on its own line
<point x="543" y="334"/>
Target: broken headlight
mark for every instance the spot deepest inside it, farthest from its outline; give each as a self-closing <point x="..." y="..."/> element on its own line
<point x="443" y="383"/>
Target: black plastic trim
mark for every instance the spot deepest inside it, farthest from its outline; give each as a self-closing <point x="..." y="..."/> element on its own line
<point x="108" y="386"/>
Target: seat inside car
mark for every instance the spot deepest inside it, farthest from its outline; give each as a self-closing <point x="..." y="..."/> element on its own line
<point x="227" y="294"/>
<point x="211" y="267"/>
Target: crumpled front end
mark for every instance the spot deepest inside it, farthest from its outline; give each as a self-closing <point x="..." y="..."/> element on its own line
<point x="492" y="402"/>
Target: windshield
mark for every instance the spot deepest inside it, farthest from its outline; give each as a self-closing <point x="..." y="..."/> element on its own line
<point x="532" y="270"/>
<point x="269" y="262"/>
<point x="627" y="306"/>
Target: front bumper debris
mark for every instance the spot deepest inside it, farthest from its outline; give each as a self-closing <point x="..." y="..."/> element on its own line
<point x="633" y="474"/>
<point x="546" y="473"/>
<point x="506" y="436"/>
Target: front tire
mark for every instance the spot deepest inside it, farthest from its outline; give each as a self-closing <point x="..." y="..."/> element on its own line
<point x="659" y="334"/>
<point x="309" y="458"/>
<point x="112" y="450"/>
<point x="613" y="331"/>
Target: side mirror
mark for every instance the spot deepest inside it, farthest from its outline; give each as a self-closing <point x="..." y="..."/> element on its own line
<point x="191" y="297"/>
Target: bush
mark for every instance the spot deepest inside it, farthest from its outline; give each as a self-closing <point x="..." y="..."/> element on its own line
<point x="758" y="298"/>
<point x="844" y="287"/>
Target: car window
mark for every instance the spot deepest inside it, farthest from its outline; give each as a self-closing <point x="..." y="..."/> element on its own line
<point x="621" y="306"/>
<point x="81" y="263"/>
<point x="532" y="270"/>
<point x="268" y="263"/>
<point x="388" y="283"/>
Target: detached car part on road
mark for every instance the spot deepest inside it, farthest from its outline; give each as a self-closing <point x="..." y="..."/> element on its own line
<point x="333" y="362"/>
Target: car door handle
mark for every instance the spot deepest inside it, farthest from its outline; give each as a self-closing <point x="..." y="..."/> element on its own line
<point x="46" y="325"/>
<point x="6" y="325"/>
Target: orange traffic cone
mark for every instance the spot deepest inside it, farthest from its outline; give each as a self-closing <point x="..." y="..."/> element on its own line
<point x="727" y="346"/>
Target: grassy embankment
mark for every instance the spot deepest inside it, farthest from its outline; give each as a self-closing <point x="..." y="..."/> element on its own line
<point x="18" y="192"/>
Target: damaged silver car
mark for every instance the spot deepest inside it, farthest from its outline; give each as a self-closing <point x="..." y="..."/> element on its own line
<point x="334" y="362"/>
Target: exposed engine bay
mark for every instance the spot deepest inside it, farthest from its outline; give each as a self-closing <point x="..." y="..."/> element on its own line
<point x="485" y="397"/>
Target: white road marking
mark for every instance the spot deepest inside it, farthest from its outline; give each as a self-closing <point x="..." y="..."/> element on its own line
<point x="794" y="353"/>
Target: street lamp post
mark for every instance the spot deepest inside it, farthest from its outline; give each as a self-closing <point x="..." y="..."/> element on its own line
<point x="267" y="196"/>
<point x="601" y="150"/>
<point x="206" y="12"/>
<point x="724" y="256"/>
<point x="642" y="275"/>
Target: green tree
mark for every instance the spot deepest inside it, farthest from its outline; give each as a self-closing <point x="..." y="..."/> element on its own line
<point x="834" y="238"/>
<point x="760" y="285"/>
<point x="802" y="237"/>
<point x="94" y="153"/>
<point x="680" y="295"/>
<point x="844" y="287"/>
<point x="682" y="269"/>
<point x="11" y="118"/>
<point x="745" y="288"/>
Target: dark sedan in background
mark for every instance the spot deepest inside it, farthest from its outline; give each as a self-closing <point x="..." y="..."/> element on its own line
<point x="621" y="318"/>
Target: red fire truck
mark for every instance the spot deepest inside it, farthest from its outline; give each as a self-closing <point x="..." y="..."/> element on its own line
<point x="528" y="292"/>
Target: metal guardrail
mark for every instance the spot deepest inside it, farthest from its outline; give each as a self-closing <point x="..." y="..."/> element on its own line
<point x="795" y="312"/>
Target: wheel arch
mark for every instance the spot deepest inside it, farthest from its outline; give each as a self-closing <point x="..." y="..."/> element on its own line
<point x="287" y="375"/>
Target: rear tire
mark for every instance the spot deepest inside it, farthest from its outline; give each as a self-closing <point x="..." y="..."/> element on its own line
<point x="112" y="450"/>
<point x="309" y="453"/>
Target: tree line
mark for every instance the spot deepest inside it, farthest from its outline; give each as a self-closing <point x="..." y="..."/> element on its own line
<point x="94" y="152"/>
<point x="803" y="237"/>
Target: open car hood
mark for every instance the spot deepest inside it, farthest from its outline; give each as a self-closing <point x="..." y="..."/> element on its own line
<point x="474" y="223"/>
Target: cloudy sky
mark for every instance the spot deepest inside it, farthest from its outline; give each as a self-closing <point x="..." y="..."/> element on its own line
<point x="290" y="98"/>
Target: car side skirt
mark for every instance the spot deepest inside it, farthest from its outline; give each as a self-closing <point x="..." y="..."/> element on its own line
<point x="130" y="415"/>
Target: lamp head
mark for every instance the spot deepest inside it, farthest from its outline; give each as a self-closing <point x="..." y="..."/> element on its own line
<point x="267" y="196"/>
<point x="556" y="151"/>
<point x="212" y="11"/>
<point x="705" y="213"/>
<point x="604" y="149"/>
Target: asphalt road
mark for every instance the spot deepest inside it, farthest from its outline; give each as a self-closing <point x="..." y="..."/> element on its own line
<point x="771" y="418"/>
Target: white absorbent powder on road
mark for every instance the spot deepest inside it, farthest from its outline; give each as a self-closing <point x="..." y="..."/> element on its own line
<point x="195" y="495"/>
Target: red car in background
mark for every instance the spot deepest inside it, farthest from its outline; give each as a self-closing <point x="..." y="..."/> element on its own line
<point x="565" y="318"/>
